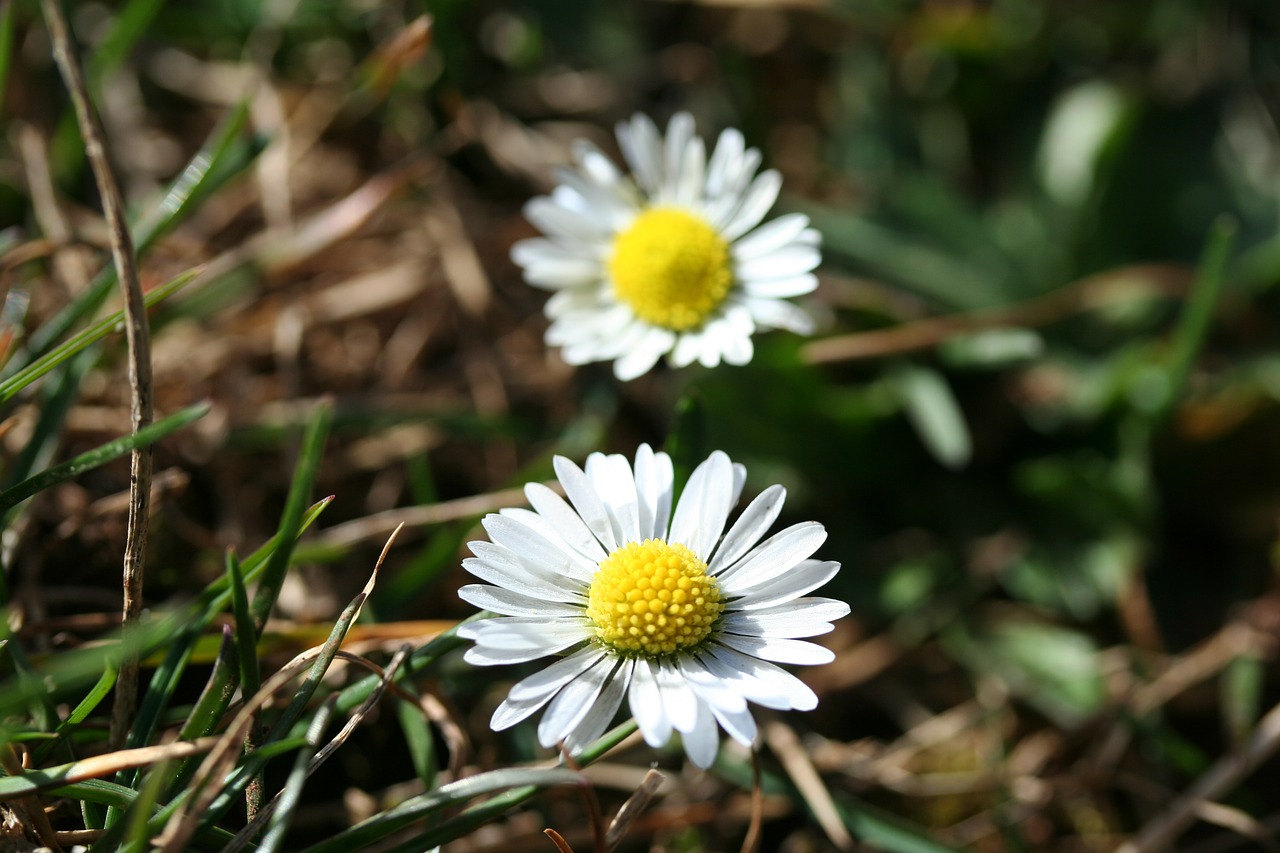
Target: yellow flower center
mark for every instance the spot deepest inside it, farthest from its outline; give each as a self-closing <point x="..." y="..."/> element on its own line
<point x="652" y="598"/>
<point x="671" y="267"/>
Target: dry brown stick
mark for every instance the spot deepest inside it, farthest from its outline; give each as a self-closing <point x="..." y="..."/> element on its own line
<point x="126" y="261"/>
<point x="1083" y="295"/>
<point x="1220" y="779"/>
<point x="799" y="766"/>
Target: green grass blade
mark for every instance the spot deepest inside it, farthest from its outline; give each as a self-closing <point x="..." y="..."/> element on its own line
<point x="1193" y="324"/>
<point x="245" y="636"/>
<point x="137" y="817"/>
<point x="934" y="412"/>
<point x="291" y="794"/>
<point x="419" y="741"/>
<point x="416" y="808"/>
<point x="212" y="166"/>
<point x="6" y="45"/>
<point x="100" y="455"/>
<point x="293" y="712"/>
<point x="291" y="520"/>
<point x="78" y="715"/>
<point x="10" y="386"/>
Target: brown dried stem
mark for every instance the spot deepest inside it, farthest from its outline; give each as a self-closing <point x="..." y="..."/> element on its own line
<point x="126" y="262"/>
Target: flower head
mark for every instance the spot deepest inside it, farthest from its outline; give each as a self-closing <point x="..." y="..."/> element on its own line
<point x="665" y="610"/>
<point x="672" y="260"/>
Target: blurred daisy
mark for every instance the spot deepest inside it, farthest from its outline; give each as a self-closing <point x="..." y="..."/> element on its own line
<point x="668" y="611"/>
<point x="672" y="260"/>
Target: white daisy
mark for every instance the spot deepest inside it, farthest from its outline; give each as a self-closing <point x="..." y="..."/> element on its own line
<point x="641" y="603"/>
<point x="669" y="261"/>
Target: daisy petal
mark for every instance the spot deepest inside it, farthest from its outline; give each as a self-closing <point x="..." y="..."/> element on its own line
<point x="557" y="675"/>
<point x="757" y="518"/>
<point x="602" y="711"/>
<point x="585" y="500"/>
<point x="740" y="725"/>
<point x="702" y="741"/>
<point x="755" y="204"/>
<point x="772" y="557"/>
<point x="779" y="650"/>
<point x="573" y="702"/>
<point x="771" y="236"/>
<point x="804" y="578"/>
<point x="568" y="523"/>
<point x="704" y="506"/>
<point x="645" y="699"/>
<point x="509" y="603"/>
<point x="805" y="618"/>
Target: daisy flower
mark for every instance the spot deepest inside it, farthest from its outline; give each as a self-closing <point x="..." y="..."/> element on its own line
<point x="672" y="260"/>
<point x="664" y="610"/>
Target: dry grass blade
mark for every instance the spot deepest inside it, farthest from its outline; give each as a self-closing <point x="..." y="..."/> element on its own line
<point x="100" y="766"/>
<point x="558" y="840"/>
<point x="1160" y="833"/>
<point x="139" y="338"/>
<point x="784" y="743"/>
<point x="751" y="841"/>
<point x="632" y="808"/>
<point x="1084" y="295"/>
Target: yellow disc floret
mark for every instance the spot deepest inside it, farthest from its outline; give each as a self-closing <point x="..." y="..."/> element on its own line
<point x="671" y="267"/>
<point x="652" y="598"/>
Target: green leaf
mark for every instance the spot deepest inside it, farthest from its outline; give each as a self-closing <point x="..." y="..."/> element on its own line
<point x="416" y="808"/>
<point x="934" y="413"/>
<point x="100" y="455"/>
<point x="10" y="386"/>
<point x="304" y="476"/>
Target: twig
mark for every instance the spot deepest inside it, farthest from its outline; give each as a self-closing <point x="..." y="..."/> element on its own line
<point x="751" y="842"/>
<point x="1088" y="293"/>
<point x="1220" y="779"/>
<point x="787" y="747"/>
<point x="141" y="411"/>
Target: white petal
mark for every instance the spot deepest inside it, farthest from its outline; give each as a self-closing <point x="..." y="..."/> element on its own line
<point x="702" y="741"/>
<point x="725" y="161"/>
<point x="760" y="681"/>
<point x="779" y="649"/>
<point x="755" y="520"/>
<point x="686" y="349"/>
<point x="770" y="236"/>
<point x="585" y="500"/>
<point x="772" y="313"/>
<point x="642" y="148"/>
<point x="781" y="288"/>
<point x="678" y="699"/>
<point x="551" y="678"/>
<point x="580" y="566"/>
<point x="679" y="136"/>
<point x="509" y="603"/>
<point x="738" y="350"/>
<point x="595" y="165"/>
<point x="573" y="702"/>
<point x="645" y="699"/>
<point x="535" y="691"/>
<point x="804" y="578"/>
<point x="559" y="221"/>
<point x="539" y="249"/>
<point x="602" y="710"/>
<point x="653" y="492"/>
<point x="755" y="204"/>
<point x="808" y="617"/>
<point x="781" y="263"/>
<point x="512" y="711"/>
<point x="510" y="575"/>
<point x="740" y="725"/>
<point x="613" y="481"/>
<point x="642" y="357"/>
<point x="713" y="690"/>
<point x="516" y="639"/>
<point x="558" y="274"/>
<point x="567" y="523"/>
<point x="535" y="550"/>
<point x="704" y="505"/>
<point x="774" y="556"/>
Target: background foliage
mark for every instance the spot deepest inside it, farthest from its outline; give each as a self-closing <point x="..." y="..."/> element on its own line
<point x="1039" y="419"/>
